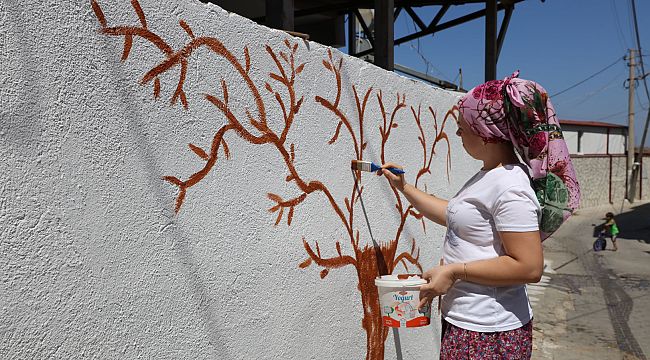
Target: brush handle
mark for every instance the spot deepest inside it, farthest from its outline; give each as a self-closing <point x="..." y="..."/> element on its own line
<point x="395" y="171"/>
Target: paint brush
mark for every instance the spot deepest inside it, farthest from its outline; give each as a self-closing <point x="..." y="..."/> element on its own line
<point x="372" y="167"/>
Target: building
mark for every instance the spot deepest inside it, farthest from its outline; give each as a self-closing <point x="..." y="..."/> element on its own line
<point x="599" y="154"/>
<point x="588" y="138"/>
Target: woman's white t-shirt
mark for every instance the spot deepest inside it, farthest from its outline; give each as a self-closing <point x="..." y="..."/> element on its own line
<point x="500" y="199"/>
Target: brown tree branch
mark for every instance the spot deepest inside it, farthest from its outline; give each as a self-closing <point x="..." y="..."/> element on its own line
<point x="343" y="120"/>
<point x="423" y="142"/>
<point x="361" y="109"/>
<point x="281" y="205"/>
<point x="441" y="134"/>
<point x="284" y="79"/>
<point x="385" y="130"/>
<point x="408" y="256"/>
<point x="327" y="263"/>
<point x="336" y="70"/>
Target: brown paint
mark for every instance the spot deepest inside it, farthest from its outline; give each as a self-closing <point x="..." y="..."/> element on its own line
<point x="128" y="42"/>
<point x="156" y="88"/>
<point x="363" y="257"/>
<point x="98" y="13"/>
<point x="198" y="151"/>
<point x="138" y="10"/>
<point x="187" y="28"/>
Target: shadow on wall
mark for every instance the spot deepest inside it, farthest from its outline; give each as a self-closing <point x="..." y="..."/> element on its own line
<point x="633" y="225"/>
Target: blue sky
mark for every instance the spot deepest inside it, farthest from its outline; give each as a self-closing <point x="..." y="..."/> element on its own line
<point x="556" y="43"/>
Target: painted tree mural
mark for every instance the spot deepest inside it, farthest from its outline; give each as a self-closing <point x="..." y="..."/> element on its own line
<point x="367" y="260"/>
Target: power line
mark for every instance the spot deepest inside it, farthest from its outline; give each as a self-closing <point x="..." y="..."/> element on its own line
<point x="584" y="97"/>
<point x="638" y="98"/>
<point x="630" y="14"/>
<point x="580" y="82"/>
<point x="612" y="115"/>
<point x="606" y="86"/>
<point x="639" y="76"/>
<point x="621" y="37"/>
<point x="618" y="113"/>
<point x="424" y="59"/>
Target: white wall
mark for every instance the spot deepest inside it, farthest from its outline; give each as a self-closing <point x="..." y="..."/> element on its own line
<point x="617" y="141"/>
<point x="96" y="261"/>
<point x="571" y="138"/>
<point x="594" y="140"/>
<point x="598" y="186"/>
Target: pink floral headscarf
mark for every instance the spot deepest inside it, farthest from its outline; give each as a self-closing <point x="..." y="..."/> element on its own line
<point x="519" y="111"/>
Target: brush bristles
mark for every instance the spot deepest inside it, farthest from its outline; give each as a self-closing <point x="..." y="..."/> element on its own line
<point x="361" y="165"/>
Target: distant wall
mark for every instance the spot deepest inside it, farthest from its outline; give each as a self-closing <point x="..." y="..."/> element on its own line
<point x="175" y="184"/>
<point x="599" y="157"/>
<point x="595" y="175"/>
<point x="643" y="184"/>
<point x="594" y="140"/>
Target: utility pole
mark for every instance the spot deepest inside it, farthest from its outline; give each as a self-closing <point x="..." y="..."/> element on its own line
<point x="630" y="129"/>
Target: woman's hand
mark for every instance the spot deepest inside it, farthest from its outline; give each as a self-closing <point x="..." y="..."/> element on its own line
<point x="441" y="279"/>
<point x="396" y="181"/>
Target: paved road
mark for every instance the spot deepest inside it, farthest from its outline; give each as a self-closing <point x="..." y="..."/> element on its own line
<point x="595" y="305"/>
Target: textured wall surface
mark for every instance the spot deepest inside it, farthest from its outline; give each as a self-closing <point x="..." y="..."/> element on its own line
<point x="594" y="176"/>
<point x="147" y="161"/>
<point x="617" y="141"/>
<point x="643" y="183"/>
<point x="645" y="177"/>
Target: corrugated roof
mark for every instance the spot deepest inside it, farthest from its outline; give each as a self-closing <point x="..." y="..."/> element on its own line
<point x="591" y="123"/>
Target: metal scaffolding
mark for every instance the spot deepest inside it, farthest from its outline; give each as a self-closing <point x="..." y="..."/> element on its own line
<point x="298" y="15"/>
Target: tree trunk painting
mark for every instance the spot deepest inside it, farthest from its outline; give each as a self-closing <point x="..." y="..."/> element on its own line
<point x="255" y="130"/>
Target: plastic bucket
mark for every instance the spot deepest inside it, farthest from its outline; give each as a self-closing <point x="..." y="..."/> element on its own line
<point x="399" y="296"/>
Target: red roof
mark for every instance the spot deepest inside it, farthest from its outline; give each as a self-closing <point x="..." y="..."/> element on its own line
<point x="591" y="123"/>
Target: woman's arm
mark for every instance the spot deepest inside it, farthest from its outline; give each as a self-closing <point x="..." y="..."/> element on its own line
<point x="433" y="208"/>
<point x="523" y="263"/>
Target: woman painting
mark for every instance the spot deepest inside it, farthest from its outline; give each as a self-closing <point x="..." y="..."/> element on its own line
<point x="498" y="219"/>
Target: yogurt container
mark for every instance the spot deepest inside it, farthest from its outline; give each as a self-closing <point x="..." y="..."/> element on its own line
<point x="399" y="296"/>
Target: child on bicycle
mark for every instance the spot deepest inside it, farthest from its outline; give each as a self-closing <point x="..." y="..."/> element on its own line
<point x="611" y="228"/>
